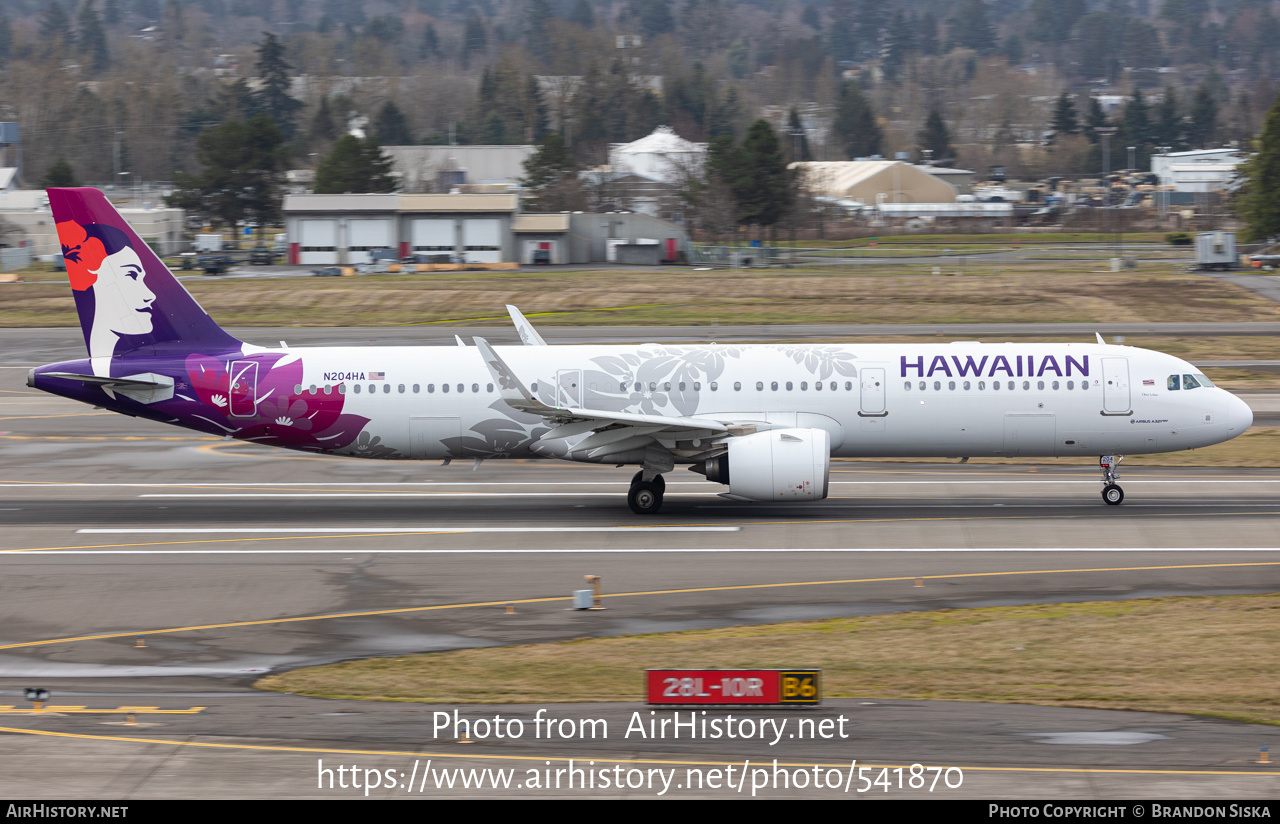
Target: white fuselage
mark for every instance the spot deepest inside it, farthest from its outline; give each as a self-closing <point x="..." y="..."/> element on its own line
<point x="887" y="400"/>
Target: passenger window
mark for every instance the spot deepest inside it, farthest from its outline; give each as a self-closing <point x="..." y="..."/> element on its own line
<point x="328" y="389"/>
<point x="1071" y="384"/>
<point x="966" y="386"/>
<point x="342" y="389"/>
<point x="622" y="387"/>
<point x="951" y="385"/>
<point x="714" y="386"/>
<point x="653" y="385"/>
<point x="356" y="387"/>
<point x="1010" y="385"/>
<point x="981" y="385"/>
<point x="833" y="386"/>
<point x="444" y="387"/>
<point x="475" y="388"/>
<point x="995" y="385"/>
<point x="1055" y="384"/>
<point x="697" y="386"/>
<point x="386" y="389"/>
<point x="639" y="386"/>
<point x="297" y="389"/>
<point x="1189" y="382"/>
<point x="848" y="386"/>
<point x="402" y="389"/>
<point x="1174" y="384"/>
<point x="789" y="386"/>
<point x="907" y="386"/>
<point x="488" y="387"/>
<point x="416" y="388"/>
<point x="804" y="385"/>
<point x="737" y="386"/>
<point x="774" y="386"/>
<point x="817" y="385"/>
<point x="1084" y="384"/>
<point x="462" y="388"/>
<point x="759" y="386"/>
<point x="431" y="388"/>
<point x="681" y="386"/>
<point x="937" y="386"/>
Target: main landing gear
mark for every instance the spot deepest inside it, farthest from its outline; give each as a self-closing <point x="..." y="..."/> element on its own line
<point x="1111" y="491"/>
<point x="645" y="497"/>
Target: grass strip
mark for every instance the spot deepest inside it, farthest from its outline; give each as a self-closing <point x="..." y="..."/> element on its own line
<point x="1198" y="655"/>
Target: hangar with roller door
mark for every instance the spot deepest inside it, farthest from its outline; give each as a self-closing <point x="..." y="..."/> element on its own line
<point x="328" y="230"/>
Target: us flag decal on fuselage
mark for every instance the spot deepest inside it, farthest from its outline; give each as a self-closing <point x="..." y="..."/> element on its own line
<point x="377" y="376"/>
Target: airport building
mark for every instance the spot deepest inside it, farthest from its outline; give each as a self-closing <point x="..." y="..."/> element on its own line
<point x="871" y="182"/>
<point x="325" y="230"/>
<point x="1203" y="170"/>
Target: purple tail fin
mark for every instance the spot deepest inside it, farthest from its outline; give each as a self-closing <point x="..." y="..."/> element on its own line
<point x="126" y="297"/>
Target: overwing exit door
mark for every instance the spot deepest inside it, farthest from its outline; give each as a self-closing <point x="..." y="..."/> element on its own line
<point x="569" y="388"/>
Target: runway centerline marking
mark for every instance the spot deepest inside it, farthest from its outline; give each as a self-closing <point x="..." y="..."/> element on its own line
<point x="643" y="593"/>
<point x="643" y="550"/>
<point x="169" y="742"/>
<point x="394" y="530"/>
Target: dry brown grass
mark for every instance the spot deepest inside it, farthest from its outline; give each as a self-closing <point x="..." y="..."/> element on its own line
<point x="1063" y="292"/>
<point x="1210" y="655"/>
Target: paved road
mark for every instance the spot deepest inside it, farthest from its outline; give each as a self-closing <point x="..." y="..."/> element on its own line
<point x="83" y="493"/>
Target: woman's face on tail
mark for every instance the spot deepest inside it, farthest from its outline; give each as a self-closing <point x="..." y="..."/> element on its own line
<point x="122" y="299"/>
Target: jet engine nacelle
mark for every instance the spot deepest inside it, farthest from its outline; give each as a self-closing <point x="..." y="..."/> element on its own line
<point x="774" y="465"/>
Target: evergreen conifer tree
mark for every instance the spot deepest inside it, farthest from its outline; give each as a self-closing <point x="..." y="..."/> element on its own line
<point x="356" y="166"/>
<point x="273" y="96"/>
<point x="1258" y="198"/>
<point x="1064" y="116"/>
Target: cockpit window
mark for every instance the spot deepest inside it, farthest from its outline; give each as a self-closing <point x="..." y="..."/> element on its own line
<point x="1203" y="381"/>
<point x="1174" y="383"/>
<point x="1190" y="382"/>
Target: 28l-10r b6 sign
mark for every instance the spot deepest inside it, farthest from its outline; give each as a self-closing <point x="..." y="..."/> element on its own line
<point x="716" y="686"/>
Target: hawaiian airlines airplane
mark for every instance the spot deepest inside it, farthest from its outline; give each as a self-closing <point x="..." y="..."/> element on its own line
<point x="764" y="420"/>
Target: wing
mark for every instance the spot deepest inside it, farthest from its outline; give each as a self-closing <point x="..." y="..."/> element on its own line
<point x="611" y="432"/>
<point x="528" y="334"/>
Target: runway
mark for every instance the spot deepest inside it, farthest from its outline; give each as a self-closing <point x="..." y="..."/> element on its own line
<point x="231" y="560"/>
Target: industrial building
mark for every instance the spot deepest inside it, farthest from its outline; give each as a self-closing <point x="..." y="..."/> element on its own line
<point x="1203" y="170"/>
<point x="468" y="228"/>
<point x="27" y="231"/>
<point x="875" y="181"/>
<point x="440" y="169"/>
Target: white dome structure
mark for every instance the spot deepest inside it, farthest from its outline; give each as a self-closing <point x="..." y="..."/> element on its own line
<point x="662" y="155"/>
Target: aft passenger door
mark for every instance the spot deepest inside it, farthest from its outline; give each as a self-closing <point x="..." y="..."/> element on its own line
<point x="1115" y="386"/>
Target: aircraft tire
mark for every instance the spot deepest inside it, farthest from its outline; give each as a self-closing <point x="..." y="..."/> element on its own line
<point x="1112" y="494"/>
<point x="658" y="480"/>
<point x="645" y="498"/>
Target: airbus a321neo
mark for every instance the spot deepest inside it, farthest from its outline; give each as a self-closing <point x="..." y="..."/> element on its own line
<point x="764" y="420"/>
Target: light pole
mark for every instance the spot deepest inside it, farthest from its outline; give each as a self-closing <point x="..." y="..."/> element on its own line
<point x="1105" y="132"/>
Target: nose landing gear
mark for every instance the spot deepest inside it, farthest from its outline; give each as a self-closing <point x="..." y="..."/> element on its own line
<point x="1111" y="491"/>
<point x="645" y="497"/>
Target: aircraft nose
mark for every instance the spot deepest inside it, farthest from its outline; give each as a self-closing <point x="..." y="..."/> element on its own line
<point x="1239" y="415"/>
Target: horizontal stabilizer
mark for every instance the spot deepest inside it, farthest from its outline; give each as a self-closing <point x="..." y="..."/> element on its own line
<point x="145" y="388"/>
